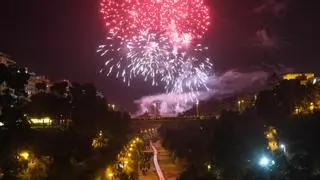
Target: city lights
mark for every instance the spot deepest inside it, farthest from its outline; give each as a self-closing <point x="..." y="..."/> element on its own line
<point x="126" y="160"/>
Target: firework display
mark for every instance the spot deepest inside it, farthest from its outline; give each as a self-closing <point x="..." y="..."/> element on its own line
<point x="157" y="40"/>
<point x="180" y="20"/>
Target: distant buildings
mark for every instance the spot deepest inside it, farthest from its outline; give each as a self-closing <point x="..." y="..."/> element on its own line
<point x="304" y="78"/>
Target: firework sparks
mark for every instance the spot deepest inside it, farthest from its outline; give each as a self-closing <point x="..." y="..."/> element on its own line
<point x="153" y="58"/>
<point x="180" y="20"/>
<point x="156" y="40"/>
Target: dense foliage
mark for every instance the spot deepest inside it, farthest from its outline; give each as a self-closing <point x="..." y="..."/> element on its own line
<point x="232" y="147"/>
<point x="65" y="150"/>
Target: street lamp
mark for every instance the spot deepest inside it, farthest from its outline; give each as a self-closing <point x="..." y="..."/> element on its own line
<point x="24" y="155"/>
<point x="240" y="102"/>
<point x="266" y="162"/>
<point x="197" y="108"/>
<point x="283" y="147"/>
<point x="209" y="167"/>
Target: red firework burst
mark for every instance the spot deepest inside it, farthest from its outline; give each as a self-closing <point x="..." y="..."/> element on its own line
<point x="180" y="20"/>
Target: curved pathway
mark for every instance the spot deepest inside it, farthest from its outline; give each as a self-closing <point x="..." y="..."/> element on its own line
<point x="155" y="161"/>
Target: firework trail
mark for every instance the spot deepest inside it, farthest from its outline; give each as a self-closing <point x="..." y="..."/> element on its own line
<point x="156" y="40"/>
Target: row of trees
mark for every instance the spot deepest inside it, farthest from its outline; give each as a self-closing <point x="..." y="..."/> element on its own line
<point x="71" y="147"/>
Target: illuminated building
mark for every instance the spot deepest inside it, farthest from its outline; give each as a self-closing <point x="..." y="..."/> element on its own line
<point x="40" y="122"/>
<point x="303" y="77"/>
<point x="47" y="122"/>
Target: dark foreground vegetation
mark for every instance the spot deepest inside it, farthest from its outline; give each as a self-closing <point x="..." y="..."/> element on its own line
<point x="274" y="139"/>
<point x="83" y="134"/>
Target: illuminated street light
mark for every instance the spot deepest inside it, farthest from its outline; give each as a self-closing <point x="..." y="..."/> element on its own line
<point x="209" y="167"/>
<point x="197" y="108"/>
<point x="311" y="107"/>
<point x="1" y="124"/>
<point x="283" y="147"/>
<point x="24" y="155"/>
<point x="266" y="162"/>
<point x="240" y="102"/>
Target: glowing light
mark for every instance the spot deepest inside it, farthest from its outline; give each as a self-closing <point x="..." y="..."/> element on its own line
<point x="1" y="124"/>
<point x="46" y="121"/>
<point x="264" y="161"/>
<point x="109" y="173"/>
<point x="283" y="147"/>
<point x="24" y="155"/>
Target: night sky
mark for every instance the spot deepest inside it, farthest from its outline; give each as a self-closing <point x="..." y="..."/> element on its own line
<point x="59" y="38"/>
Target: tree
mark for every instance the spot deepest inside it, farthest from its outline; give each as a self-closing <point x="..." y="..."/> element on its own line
<point x="61" y="89"/>
<point x="41" y="87"/>
<point x="36" y="169"/>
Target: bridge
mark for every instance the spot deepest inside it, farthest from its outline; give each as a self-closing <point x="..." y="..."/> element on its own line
<point x="178" y="118"/>
<point x="156" y="122"/>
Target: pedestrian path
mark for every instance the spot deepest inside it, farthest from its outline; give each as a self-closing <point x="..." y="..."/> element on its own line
<point x="151" y="174"/>
<point x="163" y="167"/>
<point x="168" y="167"/>
<point x="155" y="162"/>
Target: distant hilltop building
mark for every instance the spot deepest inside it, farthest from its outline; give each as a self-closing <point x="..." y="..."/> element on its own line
<point x="6" y="60"/>
<point x="304" y="78"/>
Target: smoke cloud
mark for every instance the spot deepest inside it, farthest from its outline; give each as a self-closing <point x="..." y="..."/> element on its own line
<point x="275" y="7"/>
<point x="264" y="39"/>
<point x="226" y="84"/>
